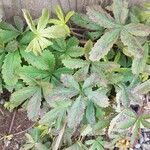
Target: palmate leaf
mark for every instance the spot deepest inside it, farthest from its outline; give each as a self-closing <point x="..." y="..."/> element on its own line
<point x="12" y="62"/>
<point x="76" y="112"/>
<point x="103" y="45"/>
<point x="46" y="61"/>
<point x="67" y="49"/>
<point x="18" y="97"/>
<point x="7" y="32"/>
<point x="61" y="94"/>
<point x="42" y="34"/>
<point x="117" y="25"/>
<point x="34" y="93"/>
<point x="124" y="120"/>
<point x="33" y="72"/>
<point x="59" y="109"/>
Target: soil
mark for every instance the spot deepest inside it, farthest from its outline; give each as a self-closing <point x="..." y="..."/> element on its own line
<point x="13" y="123"/>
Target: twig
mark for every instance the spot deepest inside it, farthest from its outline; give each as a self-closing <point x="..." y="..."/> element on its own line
<point x="12" y="122"/>
<point x="10" y="127"/>
<point x="80" y="35"/>
<point x="78" y="29"/>
<point x="59" y="138"/>
<point x="24" y="130"/>
<point x="1" y="112"/>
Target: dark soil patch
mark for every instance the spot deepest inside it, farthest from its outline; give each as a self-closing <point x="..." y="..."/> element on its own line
<point x="13" y="123"/>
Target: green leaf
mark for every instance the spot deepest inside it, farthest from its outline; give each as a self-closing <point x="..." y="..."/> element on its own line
<point x="19" y="23"/>
<point x="99" y="16"/>
<point x="90" y="113"/>
<point x="92" y="80"/>
<point x="82" y="73"/>
<point x="87" y="48"/>
<point x="12" y="46"/>
<point x="46" y="61"/>
<point x="83" y="21"/>
<point x="95" y="144"/>
<point x="18" y="97"/>
<point x="8" y="35"/>
<point x="40" y="146"/>
<point x="74" y="63"/>
<point x="75" y="113"/>
<point x="68" y="16"/>
<point x="145" y="123"/>
<point x="53" y="114"/>
<point x="29" y="20"/>
<point x="104" y="44"/>
<point x="33" y="72"/>
<point x="34" y="104"/>
<point x="75" y="51"/>
<point x="135" y="132"/>
<point x="2" y="57"/>
<point x="124" y="120"/>
<point x="7" y="26"/>
<point x="99" y="97"/>
<point x="122" y="97"/>
<point x="43" y="20"/>
<point x="42" y="34"/>
<point x="120" y="10"/>
<point x="147" y="69"/>
<point x="59" y="13"/>
<point x="27" y="38"/>
<point x="11" y="64"/>
<point x="142" y="88"/>
<point x="138" y="29"/>
<point x="54" y="31"/>
<point x="133" y="44"/>
<point x="57" y="73"/>
<point x="61" y="94"/>
<point x="69" y="82"/>
<point x="38" y="44"/>
<point x="139" y="64"/>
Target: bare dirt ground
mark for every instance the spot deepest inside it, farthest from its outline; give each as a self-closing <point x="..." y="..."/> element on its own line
<point x="14" y="125"/>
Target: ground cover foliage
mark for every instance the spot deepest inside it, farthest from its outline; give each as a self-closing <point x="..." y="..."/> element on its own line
<point x="92" y="96"/>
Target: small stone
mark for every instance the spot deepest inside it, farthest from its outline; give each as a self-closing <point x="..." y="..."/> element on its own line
<point x="137" y="146"/>
<point x="2" y="101"/>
